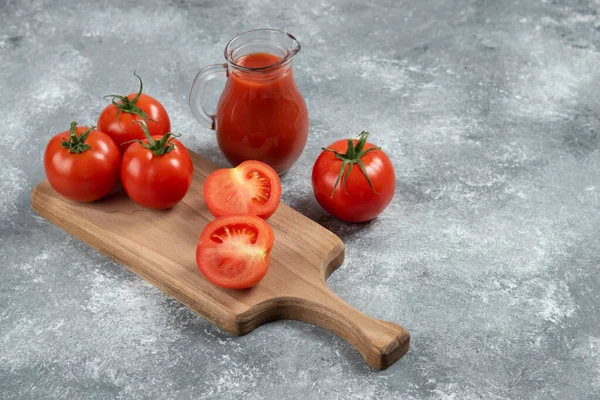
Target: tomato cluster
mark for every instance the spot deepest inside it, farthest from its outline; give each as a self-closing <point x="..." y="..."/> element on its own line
<point x="352" y="179"/>
<point x="133" y="143"/>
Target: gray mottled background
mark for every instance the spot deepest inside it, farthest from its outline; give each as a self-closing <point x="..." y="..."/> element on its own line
<point x="489" y="253"/>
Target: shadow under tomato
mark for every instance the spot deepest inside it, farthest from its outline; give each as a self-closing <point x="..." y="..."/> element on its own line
<point x="308" y="206"/>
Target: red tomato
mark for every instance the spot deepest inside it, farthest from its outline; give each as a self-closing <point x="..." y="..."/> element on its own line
<point x="118" y="120"/>
<point x="250" y="188"/>
<point x="157" y="172"/>
<point x="354" y="186"/>
<point x="234" y="251"/>
<point x="82" y="164"/>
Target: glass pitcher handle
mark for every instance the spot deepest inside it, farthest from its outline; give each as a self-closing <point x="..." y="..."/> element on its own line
<point x="197" y="93"/>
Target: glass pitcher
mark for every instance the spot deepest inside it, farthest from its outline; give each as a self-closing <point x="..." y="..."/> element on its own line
<point x="261" y="114"/>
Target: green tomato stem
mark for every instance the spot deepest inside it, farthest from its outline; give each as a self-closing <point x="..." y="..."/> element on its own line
<point x="160" y="146"/>
<point x="353" y="155"/>
<point x="76" y="144"/>
<point x="129" y="106"/>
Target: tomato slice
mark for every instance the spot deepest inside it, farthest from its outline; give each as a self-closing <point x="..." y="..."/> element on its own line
<point x="252" y="187"/>
<point x="234" y="251"/>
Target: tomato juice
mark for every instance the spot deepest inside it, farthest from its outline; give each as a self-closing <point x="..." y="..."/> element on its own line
<point x="261" y="114"/>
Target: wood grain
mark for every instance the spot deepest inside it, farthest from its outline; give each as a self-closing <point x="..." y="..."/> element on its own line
<point x="160" y="247"/>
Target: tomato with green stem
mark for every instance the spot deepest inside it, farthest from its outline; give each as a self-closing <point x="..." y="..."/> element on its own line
<point x="82" y="164"/>
<point x="353" y="180"/>
<point x="119" y="119"/>
<point x="234" y="251"/>
<point x="157" y="172"/>
<point x="252" y="187"/>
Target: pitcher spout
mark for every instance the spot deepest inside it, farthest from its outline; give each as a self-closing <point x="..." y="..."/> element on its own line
<point x="294" y="46"/>
<point x="281" y="45"/>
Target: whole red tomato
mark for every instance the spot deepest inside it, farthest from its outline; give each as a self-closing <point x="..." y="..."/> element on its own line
<point x="82" y="164"/>
<point x="157" y="172"/>
<point x="118" y="120"/>
<point x="353" y="180"/>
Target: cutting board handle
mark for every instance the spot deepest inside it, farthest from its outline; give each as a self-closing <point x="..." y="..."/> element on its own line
<point x="381" y="343"/>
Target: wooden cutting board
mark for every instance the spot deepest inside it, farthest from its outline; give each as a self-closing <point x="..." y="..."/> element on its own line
<point x="160" y="247"/>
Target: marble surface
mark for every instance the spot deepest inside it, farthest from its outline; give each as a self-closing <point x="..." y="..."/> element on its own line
<point x="489" y="253"/>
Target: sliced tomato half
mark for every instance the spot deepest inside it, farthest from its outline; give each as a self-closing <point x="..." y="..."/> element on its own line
<point x="234" y="251"/>
<point x="252" y="187"/>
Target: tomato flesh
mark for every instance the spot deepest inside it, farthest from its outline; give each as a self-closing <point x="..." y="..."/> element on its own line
<point x="234" y="251"/>
<point x="250" y="188"/>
